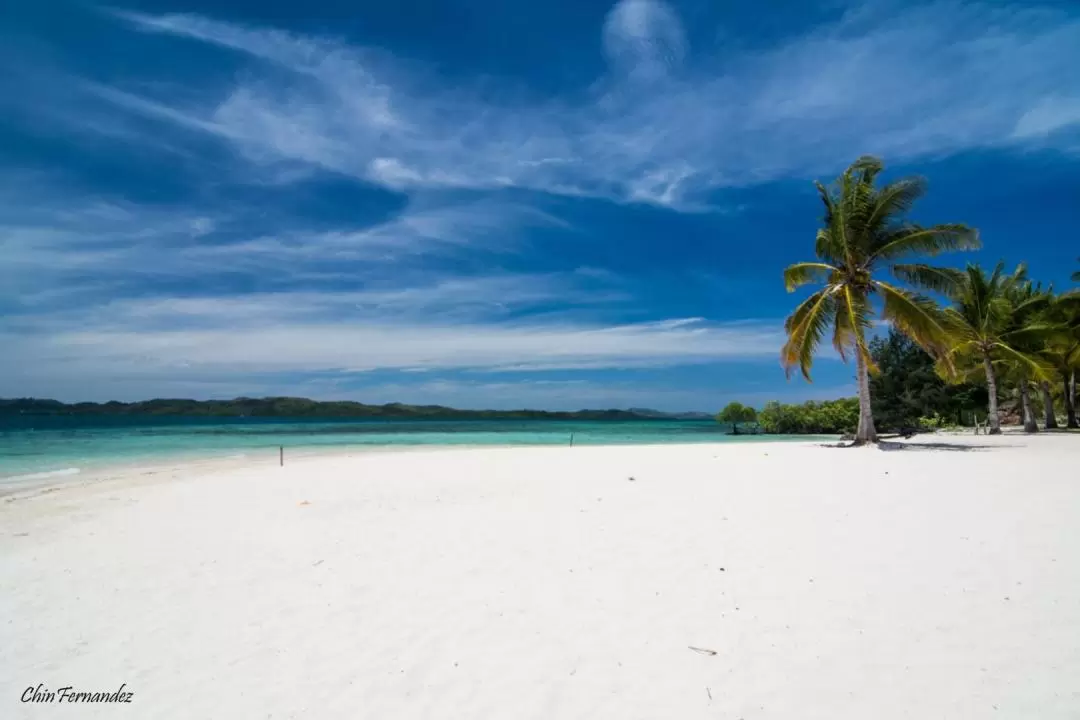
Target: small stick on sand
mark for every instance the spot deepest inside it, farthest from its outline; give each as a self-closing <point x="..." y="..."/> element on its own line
<point x="703" y="651"/>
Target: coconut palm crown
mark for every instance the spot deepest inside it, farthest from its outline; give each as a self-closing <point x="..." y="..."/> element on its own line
<point x="865" y="232"/>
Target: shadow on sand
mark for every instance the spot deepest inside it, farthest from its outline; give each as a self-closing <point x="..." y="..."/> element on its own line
<point x="940" y="446"/>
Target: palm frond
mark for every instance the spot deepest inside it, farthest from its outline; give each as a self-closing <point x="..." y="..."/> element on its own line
<point x="830" y="245"/>
<point x="868" y="167"/>
<point x="895" y="200"/>
<point x="961" y="365"/>
<point x="958" y="327"/>
<point x="805" y="328"/>
<point x="937" y="279"/>
<point x="843" y="332"/>
<point x="857" y="310"/>
<point x="1032" y="336"/>
<point x="916" y="316"/>
<point x="912" y="239"/>
<point x="1029" y="363"/>
<point x="804" y="273"/>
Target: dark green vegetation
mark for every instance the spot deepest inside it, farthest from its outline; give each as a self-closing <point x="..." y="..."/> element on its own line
<point x="907" y="392"/>
<point x="287" y="407"/>
<point x="735" y="413"/>
<point x="828" y="417"/>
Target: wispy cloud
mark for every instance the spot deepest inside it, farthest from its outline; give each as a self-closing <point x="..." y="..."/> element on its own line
<point x="664" y="126"/>
<point x="61" y="243"/>
<point x="248" y="338"/>
<point x="102" y="289"/>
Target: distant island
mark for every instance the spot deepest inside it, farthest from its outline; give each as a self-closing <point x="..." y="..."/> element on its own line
<point x="290" y="407"/>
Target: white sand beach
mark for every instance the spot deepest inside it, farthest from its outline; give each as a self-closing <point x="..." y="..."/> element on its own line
<point x="756" y="580"/>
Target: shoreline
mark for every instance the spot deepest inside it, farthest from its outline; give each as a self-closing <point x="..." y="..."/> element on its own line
<point x="210" y="460"/>
<point x="193" y="462"/>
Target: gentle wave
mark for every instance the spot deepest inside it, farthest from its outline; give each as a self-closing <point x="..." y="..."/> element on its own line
<point x="41" y="475"/>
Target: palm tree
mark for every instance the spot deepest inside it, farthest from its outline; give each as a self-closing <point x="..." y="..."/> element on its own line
<point x="1064" y="353"/>
<point x="991" y="322"/>
<point x="1031" y="331"/>
<point x="864" y="232"/>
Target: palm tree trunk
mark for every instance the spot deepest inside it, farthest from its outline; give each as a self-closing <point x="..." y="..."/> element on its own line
<point x="991" y="386"/>
<point x="1030" y="426"/>
<point x="1070" y="405"/>
<point x="1048" y="406"/>
<point x="1072" y="382"/>
<point x="866" y="431"/>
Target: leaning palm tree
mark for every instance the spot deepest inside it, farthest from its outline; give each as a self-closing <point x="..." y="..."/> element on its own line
<point x="993" y="327"/>
<point x="865" y="232"/>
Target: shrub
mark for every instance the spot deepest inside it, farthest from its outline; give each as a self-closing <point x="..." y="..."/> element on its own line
<point x="826" y="418"/>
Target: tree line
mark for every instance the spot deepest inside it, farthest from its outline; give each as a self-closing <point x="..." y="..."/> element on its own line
<point x="996" y="328"/>
<point x="906" y="391"/>
<point x="293" y="407"/>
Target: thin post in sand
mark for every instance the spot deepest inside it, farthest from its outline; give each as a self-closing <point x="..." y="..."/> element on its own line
<point x="281" y="455"/>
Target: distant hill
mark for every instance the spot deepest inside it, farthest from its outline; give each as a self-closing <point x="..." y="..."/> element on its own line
<point x="302" y="407"/>
<point x="647" y="413"/>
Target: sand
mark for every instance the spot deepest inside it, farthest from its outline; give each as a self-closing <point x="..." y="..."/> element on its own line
<point x="714" y="581"/>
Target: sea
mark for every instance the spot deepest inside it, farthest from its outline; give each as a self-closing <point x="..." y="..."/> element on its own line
<point x="37" y="447"/>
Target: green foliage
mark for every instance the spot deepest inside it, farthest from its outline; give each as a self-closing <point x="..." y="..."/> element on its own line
<point x="825" y="418"/>
<point x="997" y="316"/>
<point x="865" y="232"/>
<point x="933" y="422"/>
<point x="735" y="413"/>
<point x="907" y="392"/>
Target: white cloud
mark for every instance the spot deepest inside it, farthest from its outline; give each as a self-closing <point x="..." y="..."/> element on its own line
<point x="644" y="39"/>
<point x="83" y="300"/>
<point x="250" y="337"/>
<point x="1049" y="116"/>
<point x="442" y="301"/>
<point x="899" y="80"/>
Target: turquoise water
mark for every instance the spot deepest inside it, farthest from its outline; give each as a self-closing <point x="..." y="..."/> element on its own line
<point x="71" y="444"/>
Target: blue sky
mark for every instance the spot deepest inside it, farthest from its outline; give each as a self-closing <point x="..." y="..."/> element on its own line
<point x="490" y="204"/>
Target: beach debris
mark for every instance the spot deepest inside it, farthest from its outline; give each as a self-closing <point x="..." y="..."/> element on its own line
<point x="703" y="651"/>
<point x="303" y="502"/>
<point x="709" y="693"/>
<point x="317" y="563"/>
<point x="631" y="478"/>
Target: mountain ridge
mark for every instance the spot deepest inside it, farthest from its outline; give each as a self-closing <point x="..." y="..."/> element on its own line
<point x="304" y="407"/>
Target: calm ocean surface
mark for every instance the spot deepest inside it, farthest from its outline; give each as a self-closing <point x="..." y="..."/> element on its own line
<point x="71" y="444"/>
